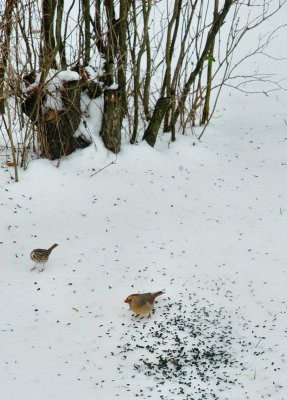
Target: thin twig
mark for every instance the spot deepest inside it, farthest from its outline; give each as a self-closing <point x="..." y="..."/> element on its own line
<point x="101" y="169"/>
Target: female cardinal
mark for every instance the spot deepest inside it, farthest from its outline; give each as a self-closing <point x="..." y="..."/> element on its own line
<point x="142" y="303"/>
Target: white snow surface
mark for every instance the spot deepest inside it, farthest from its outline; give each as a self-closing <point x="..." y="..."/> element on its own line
<point x="203" y="221"/>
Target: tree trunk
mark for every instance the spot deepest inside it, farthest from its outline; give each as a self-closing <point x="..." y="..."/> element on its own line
<point x="122" y="62"/>
<point x="61" y="42"/>
<point x="56" y="128"/>
<point x="170" y="43"/>
<point x="48" y="51"/>
<point x="152" y="130"/>
<point x="216" y="25"/>
<point x="110" y="49"/>
<point x="112" y="120"/>
<point x="4" y="49"/>
<point x="87" y="34"/>
<point x="210" y="60"/>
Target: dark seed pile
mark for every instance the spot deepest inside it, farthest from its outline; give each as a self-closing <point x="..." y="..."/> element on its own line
<point x="190" y="351"/>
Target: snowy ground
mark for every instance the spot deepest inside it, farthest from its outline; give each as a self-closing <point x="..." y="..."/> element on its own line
<point x="205" y="221"/>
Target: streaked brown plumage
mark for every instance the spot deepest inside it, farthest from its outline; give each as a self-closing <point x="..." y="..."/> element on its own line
<point x="41" y="256"/>
<point x="142" y="303"/>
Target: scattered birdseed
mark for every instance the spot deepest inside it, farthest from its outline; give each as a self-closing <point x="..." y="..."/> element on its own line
<point x="192" y="351"/>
